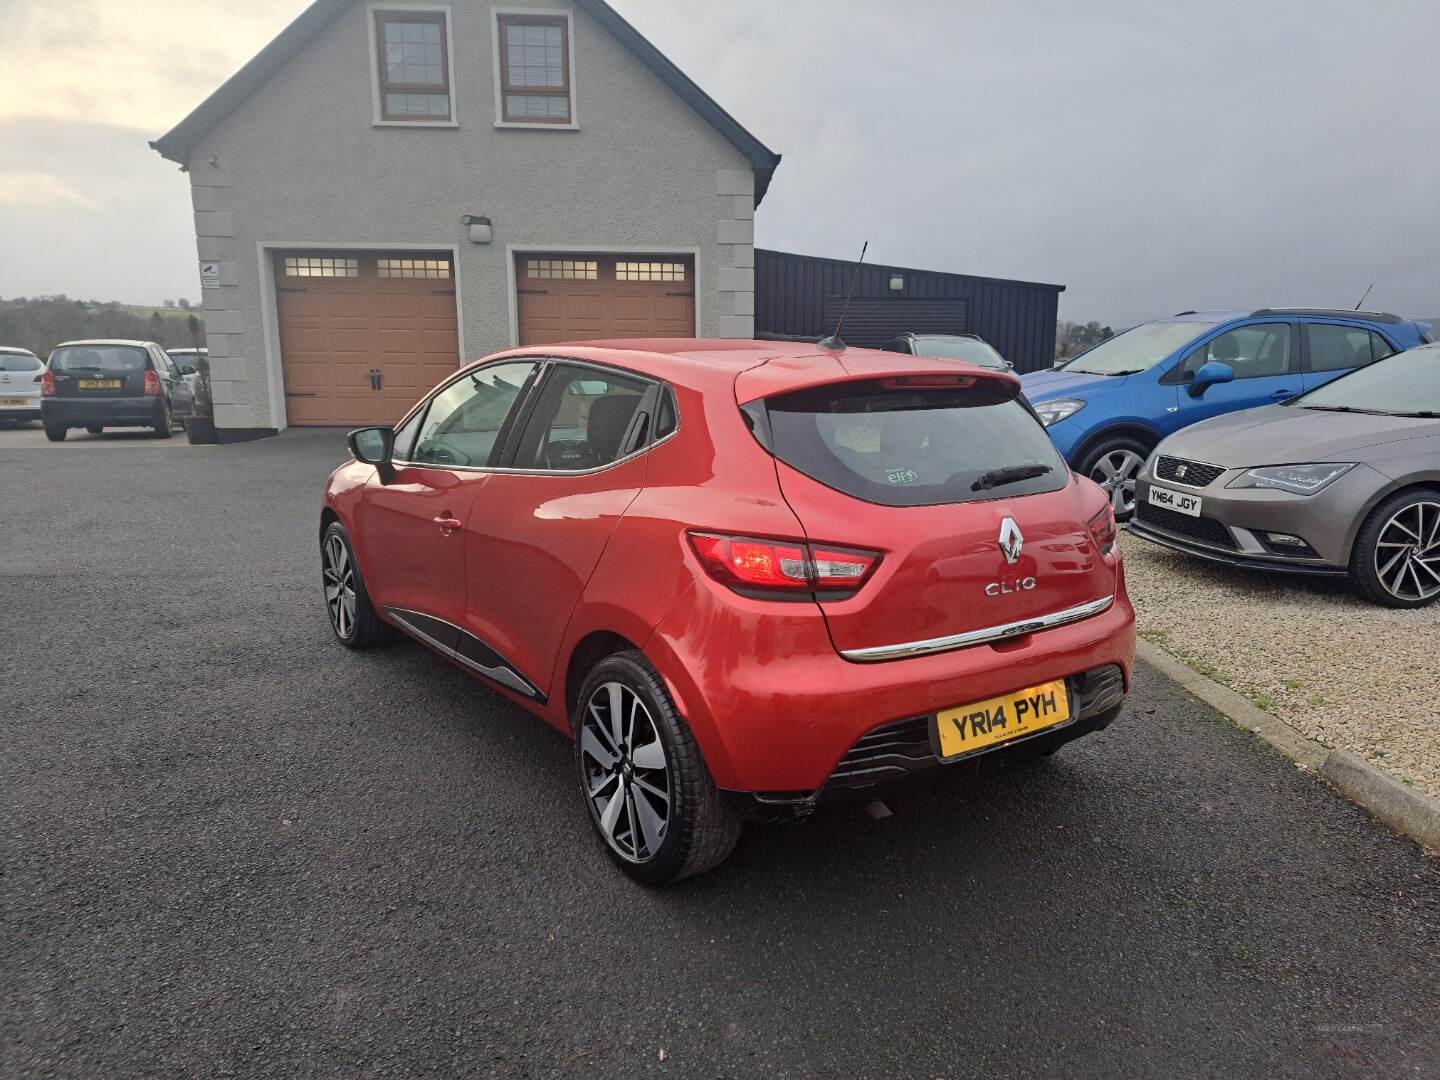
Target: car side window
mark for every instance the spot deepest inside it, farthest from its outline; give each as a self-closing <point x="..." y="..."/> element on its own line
<point x="1251" y="352"/>
<point x="1340" y="348"/>
<point x="464" y="420"/>
<point x="580" y="421"/>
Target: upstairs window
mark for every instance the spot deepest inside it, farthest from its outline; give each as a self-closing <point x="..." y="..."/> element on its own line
<point x="534" y="67"/>
<point x="413" y="67"/>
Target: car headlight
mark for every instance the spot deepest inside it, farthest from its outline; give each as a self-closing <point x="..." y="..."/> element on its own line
<point x="1052" y="412"/>
<point x="1298" y="479"/>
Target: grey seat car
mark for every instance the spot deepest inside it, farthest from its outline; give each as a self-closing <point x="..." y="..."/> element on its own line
<point x="969" y="347"/>
<point x="1341" y="481"/>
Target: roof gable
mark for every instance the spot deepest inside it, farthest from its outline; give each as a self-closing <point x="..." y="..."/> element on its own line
<point x="177" y="143"/>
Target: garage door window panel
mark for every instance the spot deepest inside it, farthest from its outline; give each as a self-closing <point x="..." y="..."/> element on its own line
<point x="413" y="66"/>
<point x="534" y="65"/>
<point x="583" y="419"/>
<point x="463" y="425"/>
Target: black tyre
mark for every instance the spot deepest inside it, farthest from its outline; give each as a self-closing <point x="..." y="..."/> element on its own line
<point x="1115" y="464"/>
<point x="347" y="601"/>
<point x="55" y="432"/>
<point x="165" y="426"/>
<point x="94" y="429"/>
<point x="651" y="800"/>
<point x="1396" y="558"/>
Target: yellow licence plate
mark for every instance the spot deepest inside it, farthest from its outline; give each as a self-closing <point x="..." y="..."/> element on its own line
<point x="13" y="401"/>
<point x="974" y="727"/>
<point x="100" y="384"/>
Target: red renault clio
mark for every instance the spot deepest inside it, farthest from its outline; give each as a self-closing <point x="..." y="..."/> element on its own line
<point x="745" y="576"/>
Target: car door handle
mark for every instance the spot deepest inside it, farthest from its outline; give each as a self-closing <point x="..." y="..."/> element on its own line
<point x="1283" y="393"/>
<point x="447" y="524"/>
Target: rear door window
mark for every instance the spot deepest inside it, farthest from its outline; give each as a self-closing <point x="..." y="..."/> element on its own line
<point x="1340" y="348"/>
<point x="914" y="447"/>
<point x="580" y="420"/>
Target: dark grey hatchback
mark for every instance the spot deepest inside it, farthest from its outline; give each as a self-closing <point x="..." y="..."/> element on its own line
<point x="100" y="384"/>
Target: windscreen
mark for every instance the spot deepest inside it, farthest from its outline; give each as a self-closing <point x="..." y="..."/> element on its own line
<point x="1138" y="349"/>
<point x="914" y="447"/>
<point x="958" y="348"/>
<point x="119" y="358"/>
<point x="17" y="362"/>
<point x="1407" y="383"/>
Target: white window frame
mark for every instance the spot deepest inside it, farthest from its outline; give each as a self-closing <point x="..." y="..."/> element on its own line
<point x="377" y="117"/>
<point x="551" y="13"/>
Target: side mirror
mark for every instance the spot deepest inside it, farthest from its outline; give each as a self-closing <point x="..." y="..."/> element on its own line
<point x="1210" y="374"/>
<point x="186" y="369"/>
<point x="372" y="446"/>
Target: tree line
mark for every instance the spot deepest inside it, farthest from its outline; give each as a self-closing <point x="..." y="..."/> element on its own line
<point x="42" y="322"/>
<point x="1074" y="337"/>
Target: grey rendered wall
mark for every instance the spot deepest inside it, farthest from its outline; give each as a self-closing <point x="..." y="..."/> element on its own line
<point x="301" y="163"/>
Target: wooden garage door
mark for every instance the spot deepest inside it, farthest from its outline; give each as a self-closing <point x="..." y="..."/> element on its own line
<point x="363" y="335"/>
<point x="581" y="297"/>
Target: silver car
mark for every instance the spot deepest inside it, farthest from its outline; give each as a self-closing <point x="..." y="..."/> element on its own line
<point x="20" y="371"/>
<point x="1343" y="481"/>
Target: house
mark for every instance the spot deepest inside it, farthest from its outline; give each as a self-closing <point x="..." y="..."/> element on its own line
<point x="391" y="188"/>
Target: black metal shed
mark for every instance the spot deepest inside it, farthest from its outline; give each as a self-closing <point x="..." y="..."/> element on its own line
<point x="801" y="296"/>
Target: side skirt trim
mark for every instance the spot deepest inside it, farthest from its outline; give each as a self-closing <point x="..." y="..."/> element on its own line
<point x="481" y="658"/>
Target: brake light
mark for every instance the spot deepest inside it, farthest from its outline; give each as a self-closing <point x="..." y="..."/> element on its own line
<point x="47" y="384"/>
<point x="152" y="384"/>
<point x="749" y="564"/>
<point x="1102" y="530"/>
<point x="916" y="382"/>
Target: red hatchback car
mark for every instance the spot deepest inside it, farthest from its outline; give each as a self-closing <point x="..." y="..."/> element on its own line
<point x="745" y="576"/>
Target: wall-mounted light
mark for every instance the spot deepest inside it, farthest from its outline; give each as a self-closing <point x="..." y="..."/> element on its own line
<point x="480" y="231"/>
<point x="896" y="282"/>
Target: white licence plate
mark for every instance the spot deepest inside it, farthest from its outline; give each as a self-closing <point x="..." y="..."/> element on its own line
<point x="1175" y="500"/>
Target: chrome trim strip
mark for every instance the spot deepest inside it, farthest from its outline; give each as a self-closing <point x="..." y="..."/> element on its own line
<point x="502" y="675"/>
<point x="980" y="637"/>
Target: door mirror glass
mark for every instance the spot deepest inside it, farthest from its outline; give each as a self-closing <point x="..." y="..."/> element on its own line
<point x="372" y="445"/>
<point x="1208" y="375"/>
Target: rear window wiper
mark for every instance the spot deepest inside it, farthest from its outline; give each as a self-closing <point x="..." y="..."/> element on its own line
<point x="1011" y="475"/>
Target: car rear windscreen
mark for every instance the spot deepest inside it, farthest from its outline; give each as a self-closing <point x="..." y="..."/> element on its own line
<point x="914" y="447"/>
<point x="16" y="362"/>
<point x="98" y="358"/>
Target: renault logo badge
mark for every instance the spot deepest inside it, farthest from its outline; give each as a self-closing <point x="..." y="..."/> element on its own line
<point x="1012" y="541"/>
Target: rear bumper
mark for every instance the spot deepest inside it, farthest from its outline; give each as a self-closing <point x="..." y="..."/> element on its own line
<point x="775" y="709"/>
<point x="28" y="411"/>
<point x="129" y="411"/>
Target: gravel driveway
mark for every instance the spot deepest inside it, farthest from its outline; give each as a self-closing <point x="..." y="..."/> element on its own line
<point x="1346" y="673"/>
<point x="230" y="848"/>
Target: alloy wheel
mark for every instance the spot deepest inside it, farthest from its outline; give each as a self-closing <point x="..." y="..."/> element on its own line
<point x="625" y="773"/>
<point x="339" y="585"/>
<point x="1407" y="552"/>
<point x="1116" y="473"/>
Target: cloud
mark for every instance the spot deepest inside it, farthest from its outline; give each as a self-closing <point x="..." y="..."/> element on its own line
<point x="41" y="190"/>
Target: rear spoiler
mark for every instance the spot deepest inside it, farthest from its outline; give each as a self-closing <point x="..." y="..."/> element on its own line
<point x="787" y="374"/>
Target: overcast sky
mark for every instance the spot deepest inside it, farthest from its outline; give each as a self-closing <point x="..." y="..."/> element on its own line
<point x="1151" y="156"/>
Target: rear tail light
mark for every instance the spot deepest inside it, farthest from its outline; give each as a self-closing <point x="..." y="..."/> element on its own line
<point x="750" y="565"/>
<point x="152" y="384"/>
<point x="1102" y="530"/>
<point x="47" y="384"/>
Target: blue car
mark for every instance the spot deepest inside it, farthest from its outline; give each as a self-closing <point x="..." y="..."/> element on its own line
<point x="1107" y="408"/>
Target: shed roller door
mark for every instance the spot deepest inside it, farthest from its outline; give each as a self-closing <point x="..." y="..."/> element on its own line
<point x="583" y="297"/>
<point x="363" y="335"/>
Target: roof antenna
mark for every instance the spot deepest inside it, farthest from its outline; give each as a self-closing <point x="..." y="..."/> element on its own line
<point x="1362" y="298"/>
<point x="833" y="341"/>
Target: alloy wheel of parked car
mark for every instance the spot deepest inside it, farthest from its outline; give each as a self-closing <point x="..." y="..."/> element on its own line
<point x="1407" y="552"/>
<point x="1115" y="466"/>
<point x="650" y="797"/>
<point x="1396" y="561"/>
<point x="346" y="599"/>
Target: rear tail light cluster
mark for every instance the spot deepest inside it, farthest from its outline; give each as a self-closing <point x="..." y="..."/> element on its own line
<point x="152" y="384"/>
<point x="47" y="384"/>
<point x="757" y="566"/>
<point x="1102" y="530"/>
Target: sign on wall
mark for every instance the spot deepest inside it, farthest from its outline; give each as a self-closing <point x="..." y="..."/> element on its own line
<point x="209" y="275"/>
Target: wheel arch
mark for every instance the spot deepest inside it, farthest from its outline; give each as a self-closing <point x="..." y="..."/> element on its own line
<point x="1390" y="490"/>
<point x="589" y="651"/>
<point x="1132" y="429"/>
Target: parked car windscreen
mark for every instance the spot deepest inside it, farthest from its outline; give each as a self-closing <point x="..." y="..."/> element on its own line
<point x="914" y="447"/>
<point x="1138" y="349"/>
<point x="98" y="358"/>
<point x="1405" y="384"/>
<point x="19" y="362"/>
<point x="958" y="348"/>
